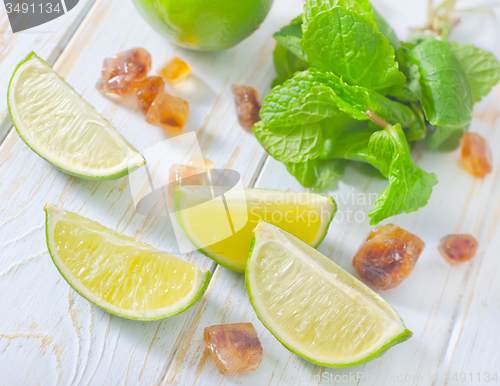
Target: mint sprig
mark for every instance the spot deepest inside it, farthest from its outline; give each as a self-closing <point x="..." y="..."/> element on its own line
<point x="365" y="95"/>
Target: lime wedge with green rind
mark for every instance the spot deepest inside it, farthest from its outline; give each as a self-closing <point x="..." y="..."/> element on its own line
<point x="63" y="128"/>
<point x="120" y="274"/>
<point x="315" y="308"/>
<point x="306" y="215"/>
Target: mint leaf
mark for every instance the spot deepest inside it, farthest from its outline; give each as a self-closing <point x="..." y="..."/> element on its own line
<point x="388" y="151"/>
<point x="386" y="30"/>
<point x="418" y="36"/>
<point x="349" y="45"/>
<point x="350" y="142"/>
<point x="297" y="135"/>
<point x="285" y="96"/>
<point x="288" y="56"/>
<point x="446" y="138"/>
<point x="297" y="143"/>
<point x="409" y="186"/>
<point x="481" y="68"/>
<point x="317" y="174"/>
<point x="314" y="7"/>
<point x="297" y="115"/>
<point x="286" y="64"/>
<point x="352" y="100"/>
<point x="368" y="170"/>
<point x="315" y="105"/>
<point x="411" y="90"/>
<point x="394" y="112"/>
<point x="289" y="37"/>
<point x="418" y="129"/>
<point x="446" y="94"/>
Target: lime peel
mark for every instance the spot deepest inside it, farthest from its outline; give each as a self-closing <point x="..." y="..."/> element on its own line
<point x="142" y="264"/>
<point x="232" y="252"/>
<point x="64" y="129"/>
<point x="367" y="315"/>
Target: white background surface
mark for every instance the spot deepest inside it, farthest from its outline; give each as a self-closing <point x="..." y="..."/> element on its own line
<point x="50" y="335"/>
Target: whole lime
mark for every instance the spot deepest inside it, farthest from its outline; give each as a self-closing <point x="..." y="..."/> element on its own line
<point x="205" y="25"/>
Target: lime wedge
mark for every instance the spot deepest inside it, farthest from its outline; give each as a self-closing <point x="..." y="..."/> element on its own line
<point x="118" y="273"/>
<point x="315" y="308"/>
<point x="63" y="128"/>
<point x="306" y="215"/>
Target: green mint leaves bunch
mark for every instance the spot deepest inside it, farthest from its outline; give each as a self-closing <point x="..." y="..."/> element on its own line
<point x="349" y="91"/>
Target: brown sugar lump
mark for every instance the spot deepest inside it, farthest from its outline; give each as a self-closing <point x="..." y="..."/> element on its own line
<point x="122" y="71"/>
<point x="247" y="106"/>
<point x="387" y="257"/>
<point x="176" y="70"/>
<point x="234" y="347"/>
<point x="476" y="155"/>
<point x="168" y="112"/>
<point x="458" y="248"/>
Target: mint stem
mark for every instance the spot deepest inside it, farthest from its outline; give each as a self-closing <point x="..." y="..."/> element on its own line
<point x="430" y="14"/>
<point x="376" y="119"/>
<point x="441" y="12"/>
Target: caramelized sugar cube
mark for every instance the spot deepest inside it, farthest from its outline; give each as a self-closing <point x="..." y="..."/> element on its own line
<point x="181" y="175"/>
<point x="387" y="257"/>
<point x="168" y="112"/>
<point x="122" y="71"/>
<point x="234" y="347"/>
<point x="458" y="248"/>
<point x="147" y="90"/>
<point x="176" y="70"/>
<point x="247" y="106"/>
<point x="476" y="155"/>
<point x="187" y="175"/>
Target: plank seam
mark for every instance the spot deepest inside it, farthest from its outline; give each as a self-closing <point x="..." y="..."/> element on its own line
<point x="469" y="281"/>
<point x="185" y="329"/>
<point x="215" y="267"/>
<point x="6" y="126"/>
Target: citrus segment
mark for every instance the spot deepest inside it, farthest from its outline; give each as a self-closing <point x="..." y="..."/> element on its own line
<point x="306" y="215"/>
<point x="118" y="273"/>
<point x="63" y="128"/>
<point x="315" y="308"/>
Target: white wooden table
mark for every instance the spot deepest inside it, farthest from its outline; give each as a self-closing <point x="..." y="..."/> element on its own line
<point x="50" y="335"/>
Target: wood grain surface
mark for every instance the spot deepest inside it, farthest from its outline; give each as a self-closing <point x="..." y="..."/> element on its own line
<point x="49" y="335"/>
<point x="47" y="40"/>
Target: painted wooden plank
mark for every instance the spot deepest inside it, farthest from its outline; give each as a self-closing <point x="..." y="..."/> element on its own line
<point x="47" y="40"/>
<point x="438" y="302"/>
<point x="63" y="339"/>
<point x="52" y="335"/>
<point x="450" y="309"/>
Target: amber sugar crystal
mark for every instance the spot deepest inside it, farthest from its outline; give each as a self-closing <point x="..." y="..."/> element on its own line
<point x="476" y="155"/>
<point x="122" y="71"/>
<point x="458" y="248"/>
<point x="234" y="347"/>
<point x="182" y="175"/>
<point x="247" y="106"/>
<point x="147" y="90"/>
<point x="387" y="257"/>
<point x="168" y="112"/>
<point x="176" y="71"/>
